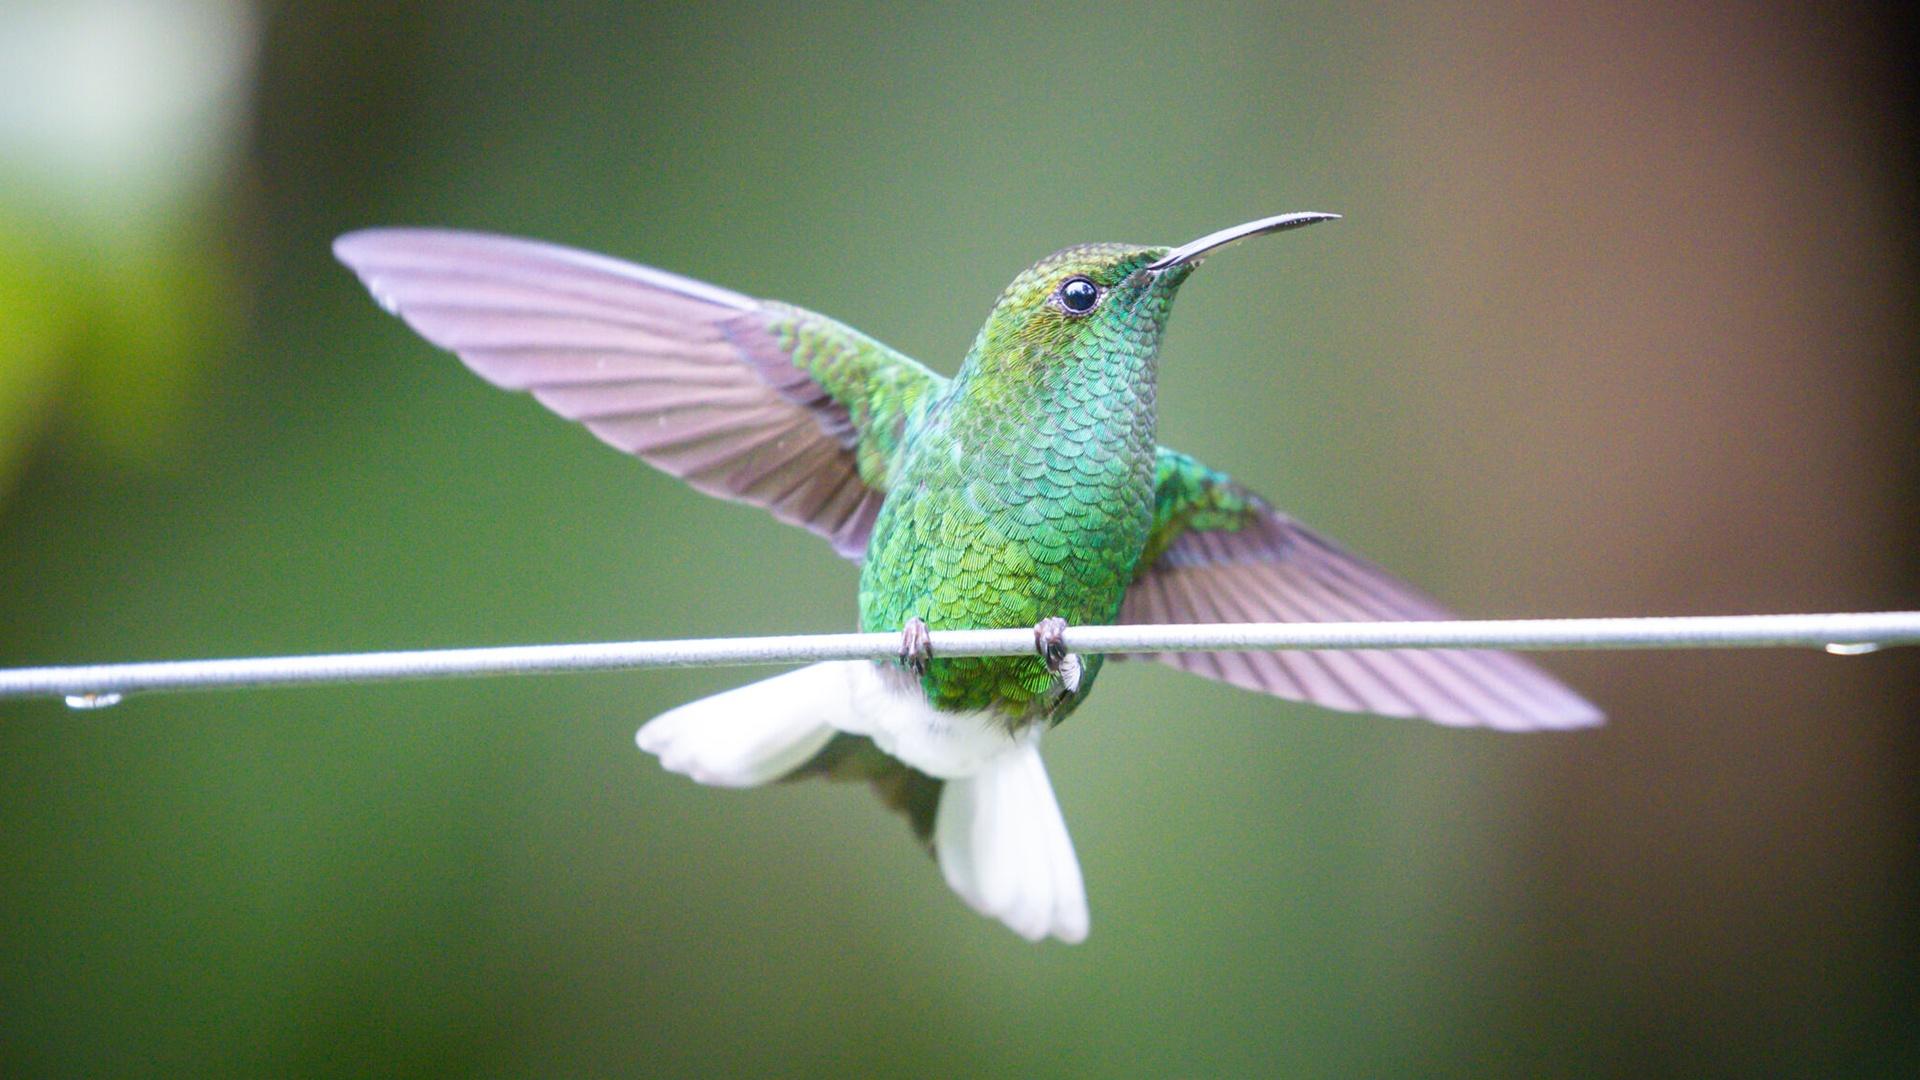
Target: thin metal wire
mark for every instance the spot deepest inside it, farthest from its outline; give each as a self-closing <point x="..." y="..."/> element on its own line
<point x="99" y="685"/>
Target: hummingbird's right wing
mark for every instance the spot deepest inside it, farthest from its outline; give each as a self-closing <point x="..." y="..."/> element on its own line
<point x="1219" y="553"/>
<point x="746" y="399"/>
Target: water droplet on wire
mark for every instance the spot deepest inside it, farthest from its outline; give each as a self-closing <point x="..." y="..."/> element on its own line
<point x="1853" y="648"/>
<point x="94" y="701"/>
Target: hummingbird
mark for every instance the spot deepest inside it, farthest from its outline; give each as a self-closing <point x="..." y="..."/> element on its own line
<point x="1028" y="489"/>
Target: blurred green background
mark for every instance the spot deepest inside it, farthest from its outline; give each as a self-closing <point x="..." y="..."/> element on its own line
<point x="1621" y="321"/>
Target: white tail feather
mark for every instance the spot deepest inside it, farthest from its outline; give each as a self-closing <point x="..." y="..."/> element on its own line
<point x="998" y="833"/>
<point x="1003" y="847"/>
<point x="753" y="734"/>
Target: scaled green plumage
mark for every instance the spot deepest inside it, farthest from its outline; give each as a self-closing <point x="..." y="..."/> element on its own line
<point x="1027" y="490"/>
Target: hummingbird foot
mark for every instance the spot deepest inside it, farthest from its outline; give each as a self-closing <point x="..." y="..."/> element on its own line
<point x="916" y="645"/>
<point x="1049" y="640"/>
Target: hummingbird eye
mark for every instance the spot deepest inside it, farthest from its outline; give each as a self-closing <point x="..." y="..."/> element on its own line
<point x="1077" y="295"/>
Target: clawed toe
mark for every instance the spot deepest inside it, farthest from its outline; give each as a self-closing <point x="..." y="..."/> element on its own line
<point x="1049" y="640"/>
<point x="916" y="645"/>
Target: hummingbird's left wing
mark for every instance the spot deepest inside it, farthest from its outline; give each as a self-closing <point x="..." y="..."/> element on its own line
<point x="1220" y="554"/>
<point x="746" y="399"/>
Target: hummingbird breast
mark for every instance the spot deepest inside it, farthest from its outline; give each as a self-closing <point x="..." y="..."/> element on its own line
<point x="1003" y="516"/>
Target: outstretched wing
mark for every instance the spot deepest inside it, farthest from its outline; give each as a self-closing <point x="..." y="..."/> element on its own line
<point x="745" y="399"/>
<point x="1219" y="554"/>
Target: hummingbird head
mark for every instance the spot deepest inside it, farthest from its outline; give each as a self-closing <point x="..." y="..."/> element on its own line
<point x="1097" y="310"/>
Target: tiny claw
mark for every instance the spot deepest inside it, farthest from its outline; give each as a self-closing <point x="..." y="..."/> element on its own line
<point x="916" y="645"/>
<point x="1049" y="640"/>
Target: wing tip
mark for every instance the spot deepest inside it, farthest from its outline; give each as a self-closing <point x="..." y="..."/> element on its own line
<point x="361" y="245"/>
<point x="1541" y="703"/>
<point x="1565" y="711"/>
<point x="1581" y="714"/>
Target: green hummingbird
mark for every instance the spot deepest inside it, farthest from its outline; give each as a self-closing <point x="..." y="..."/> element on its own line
<point x="1027" y="490"/>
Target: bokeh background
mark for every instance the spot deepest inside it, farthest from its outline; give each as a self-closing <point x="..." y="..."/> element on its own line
<point x="1621" y="321"/>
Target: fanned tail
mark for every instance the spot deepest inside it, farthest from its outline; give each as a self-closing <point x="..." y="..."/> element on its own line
<point x="991" y="821"/>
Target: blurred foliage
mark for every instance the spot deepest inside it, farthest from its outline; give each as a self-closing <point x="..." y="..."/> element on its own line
<point x="109" y="338"/>
<point x="1579" y="347"/>
<point x="119" y="125"/>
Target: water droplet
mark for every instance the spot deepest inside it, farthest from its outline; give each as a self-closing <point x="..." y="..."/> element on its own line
<point x="93" y="701"/>
<point x="1853" y="648"/>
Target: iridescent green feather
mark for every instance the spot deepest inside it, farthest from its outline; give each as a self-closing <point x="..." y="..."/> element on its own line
<point x="1026" y="489"/>
<point x="1191" y="496"/>
<point x="882" y="390"/>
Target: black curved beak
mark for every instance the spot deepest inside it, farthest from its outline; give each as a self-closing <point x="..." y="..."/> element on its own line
<point x="1214" y="241"/>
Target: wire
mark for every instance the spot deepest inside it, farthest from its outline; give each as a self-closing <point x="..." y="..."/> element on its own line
<point x="99" y="685"/>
